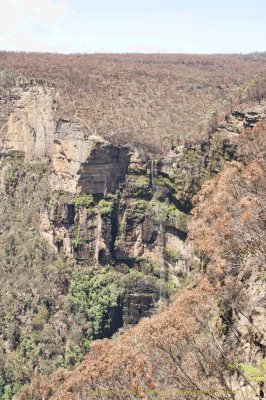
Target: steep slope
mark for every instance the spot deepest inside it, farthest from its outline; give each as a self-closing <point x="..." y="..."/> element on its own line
<point x="93" y="228"/>
<point x="210" y="343"/>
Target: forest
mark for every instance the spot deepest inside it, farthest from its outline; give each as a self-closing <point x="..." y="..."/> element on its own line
<point x="132" y="227"/>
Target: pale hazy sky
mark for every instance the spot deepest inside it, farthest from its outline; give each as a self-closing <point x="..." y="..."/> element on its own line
<point x="192" y="26"/>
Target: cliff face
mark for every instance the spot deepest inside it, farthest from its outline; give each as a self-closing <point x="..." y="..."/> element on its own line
<point x="210" y="343"/>
<point x="27" y="121"/>
<point x="84" y="165"/>
<point x="88" y="237"/>
<point x="109" y="202"/>
<point x="104" y="204"/>
<point x="136" y="208"/>
<point x="80" y="163"/>
<point x="103" y="209"/>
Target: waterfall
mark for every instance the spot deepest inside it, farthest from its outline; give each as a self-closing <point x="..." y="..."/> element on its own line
<point x="154" y="174"/>
<point x="161" y="238"/>
<point x="163" y="269"/>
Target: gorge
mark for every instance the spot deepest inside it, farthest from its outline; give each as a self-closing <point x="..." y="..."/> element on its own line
<point x="109" y="246"/>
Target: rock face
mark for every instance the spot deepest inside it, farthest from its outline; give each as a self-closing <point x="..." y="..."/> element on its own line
<point x="110" y="209"/>
<point x="27" y="116"/>
<point x="103" y="205"/>
<point x="139" y="206"/>
<point x="128" y="227"/>
<point x="239" y="120"/>
<point x="110" y="203"/>
<point x="86" y="164"/>
<point x="81" y="163"/>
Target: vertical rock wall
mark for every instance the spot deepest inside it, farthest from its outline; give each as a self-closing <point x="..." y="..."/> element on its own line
<point x="28" y="115"/>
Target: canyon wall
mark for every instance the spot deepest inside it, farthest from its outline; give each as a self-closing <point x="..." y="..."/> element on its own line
<point x="107" y="203"/>
<point x="80" y="162"/>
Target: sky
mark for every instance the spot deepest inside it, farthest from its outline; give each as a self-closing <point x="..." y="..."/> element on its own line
<point x="126" y="26"/>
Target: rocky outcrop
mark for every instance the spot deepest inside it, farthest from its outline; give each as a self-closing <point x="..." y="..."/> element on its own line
<point x="27" y="121"/>
<point x="81" y="162"/>
<point x="109" y="202"/>
<point x="241" y="119"/>
<point x="86" y="164"/>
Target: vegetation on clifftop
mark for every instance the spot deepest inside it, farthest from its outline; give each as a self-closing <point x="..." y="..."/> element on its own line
<point x="150" y="101"/>
<point x="56" y="298"/>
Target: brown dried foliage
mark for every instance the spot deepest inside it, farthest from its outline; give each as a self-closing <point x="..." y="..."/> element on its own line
<point x="229" y="217"/>
<point x="180" y="352"/>
<point x="133" y="98"/>
<point x="171" y="355"/>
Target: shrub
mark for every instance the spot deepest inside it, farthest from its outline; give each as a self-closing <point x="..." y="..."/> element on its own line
<point x="76" y="242"/>
<point x="173" y="255"/>
<point x="105" y="207"/>
<point x="138" y="208"/>
<point x="142" y="188"/>
<point x="167" y="213"/>
<point x="73" y="356"/>
<point x="94" y="293"/>
<point x="256" y="374"/>
<point x="85" y="200"/>
<point x="161" y="181"/>
<point x="121" y="234"/>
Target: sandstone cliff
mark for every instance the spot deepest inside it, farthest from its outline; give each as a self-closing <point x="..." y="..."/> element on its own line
<point x="99" y="207"/>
